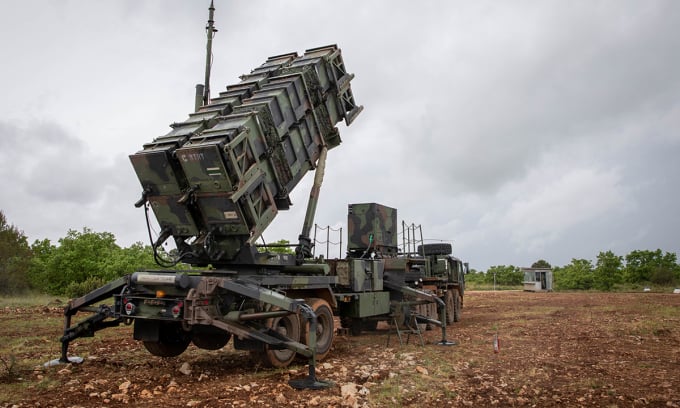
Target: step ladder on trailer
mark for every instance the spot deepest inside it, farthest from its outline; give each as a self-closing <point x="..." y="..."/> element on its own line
<point x="411" y="327"/>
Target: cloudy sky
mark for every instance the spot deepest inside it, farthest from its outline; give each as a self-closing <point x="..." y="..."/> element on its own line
<point x="516" y="130"/>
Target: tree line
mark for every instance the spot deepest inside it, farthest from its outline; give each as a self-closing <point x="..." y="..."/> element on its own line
<point x="84" y="260"/>
<point x="639" y="267"/>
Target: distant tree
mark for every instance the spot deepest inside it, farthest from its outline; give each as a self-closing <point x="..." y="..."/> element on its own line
<point x="577" y="275"/>
<point x="639" y="265"/>
<point x="505" y="275"/>
<point x="15" y="257"/>
<point x="279" y="249"/>
<point x="475" y="276"/>
<point x="84" y="261"/>
<point x="650" y="266"/>
<point x="608" y="270"/>
<point x="38" y="268"/>
<point x="541" y="264"/>
<point x="663" y="276"/>
<point x="127" y="260"/>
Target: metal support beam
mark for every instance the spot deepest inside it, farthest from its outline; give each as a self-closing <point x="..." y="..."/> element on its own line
<point x="419" y="294"/>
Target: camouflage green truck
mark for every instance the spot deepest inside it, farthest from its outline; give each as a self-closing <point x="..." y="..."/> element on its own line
<point x="215" y="182"/>
<point x="399" y="273"/>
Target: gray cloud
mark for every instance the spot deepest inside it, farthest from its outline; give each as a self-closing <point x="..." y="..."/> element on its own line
<point x="55" y="183"/>
<point x="517" y="131"/>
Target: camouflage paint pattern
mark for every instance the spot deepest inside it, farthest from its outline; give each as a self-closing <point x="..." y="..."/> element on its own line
<point x="219" y="178"/>
<point x="371" y="227"/>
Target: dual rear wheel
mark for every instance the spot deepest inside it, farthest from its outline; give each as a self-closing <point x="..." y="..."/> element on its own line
<point x="453" y="306"/>
<point x="298" y="329"/>
<point x="173" y="340"/>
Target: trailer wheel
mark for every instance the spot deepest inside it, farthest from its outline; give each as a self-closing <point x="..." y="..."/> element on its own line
<point x="457" y="310"/>
<point x="325" y="330"/>
<point x="288" y="326"/>
<point x="172" y="341"/>
<point x="210" y="338"/>
<point x="450" y="306"/>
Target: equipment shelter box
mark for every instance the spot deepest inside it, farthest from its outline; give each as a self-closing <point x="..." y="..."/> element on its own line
<point x="538" y="279"/>
<point x="372" y="227"/>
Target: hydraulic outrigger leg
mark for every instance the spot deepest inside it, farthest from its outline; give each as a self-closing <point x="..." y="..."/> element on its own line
<point x="441" y="306"/>
<point x="86" y="328"/>
<point x="310" y="382"/>
<point x="89" y="326"/>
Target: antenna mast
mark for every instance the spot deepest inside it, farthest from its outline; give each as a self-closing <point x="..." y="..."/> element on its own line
<point x="203" y="91"/>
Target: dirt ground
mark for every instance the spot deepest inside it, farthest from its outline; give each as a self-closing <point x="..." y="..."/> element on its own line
<point x="555" y="349"/>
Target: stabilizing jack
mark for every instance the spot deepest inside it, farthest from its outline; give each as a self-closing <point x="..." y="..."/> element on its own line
<point x="310" y="382"/>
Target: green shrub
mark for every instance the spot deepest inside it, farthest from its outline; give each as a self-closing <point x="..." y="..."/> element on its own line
<point x="77" y="289"/>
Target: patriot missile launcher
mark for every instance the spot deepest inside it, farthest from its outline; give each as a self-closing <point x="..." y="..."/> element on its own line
<point x="214" y="183"/>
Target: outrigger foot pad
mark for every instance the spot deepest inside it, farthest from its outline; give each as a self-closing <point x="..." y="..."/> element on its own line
<point x="310" y="383"/>
<point x="447" y="343"/>
<point x="57" y="361"/>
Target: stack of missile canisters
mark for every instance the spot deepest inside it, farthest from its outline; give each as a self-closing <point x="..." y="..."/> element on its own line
<point x="219" y="178"/>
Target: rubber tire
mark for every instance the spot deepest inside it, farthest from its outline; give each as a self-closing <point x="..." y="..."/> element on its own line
<point x="288" y="326"/>
<point x="172" y="341"/>
<point x="458" y="306"/>
<point x="450" y="300"/>
<point x="435" y="249"/>
<point x="210" y="338"/>
<point x="325" y="327"/>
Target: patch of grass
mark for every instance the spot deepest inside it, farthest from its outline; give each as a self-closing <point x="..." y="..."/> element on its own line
<point x="449" y="394"/>
<point x="8" y="368"/>
<point x="542" y="310"/>
<point x="409" y="383"/>
<point x="47" y="383"/>
<point x="489" y="286"/>
<point x="607" y="308"/>
<point x="12" y="392"/>
<point x="31" y="299"/>
<point x="639" y="287"/>
<point x="23" y="337"/>
<point x="30" y="323"/>
<point x="404" y="389"/>
<point x="388" y="393"/>
<point x="592" y="383"/>
<point x="661" y="311"/>
<point x="437" y="365"/>
<point x="649" y="327"/>
<point x="646" y="364"/>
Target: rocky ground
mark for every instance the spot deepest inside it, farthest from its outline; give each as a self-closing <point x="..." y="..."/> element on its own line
<point x="554" y="349"/>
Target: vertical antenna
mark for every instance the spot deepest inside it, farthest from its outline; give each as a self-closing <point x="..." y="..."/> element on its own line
<point x="210" y="31"/>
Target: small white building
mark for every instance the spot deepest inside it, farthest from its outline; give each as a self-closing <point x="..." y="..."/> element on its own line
<point x="538" y="279"/>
